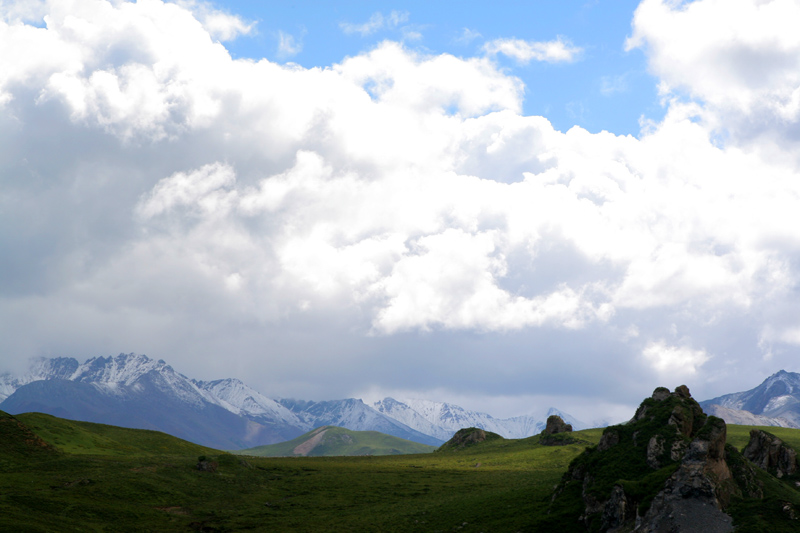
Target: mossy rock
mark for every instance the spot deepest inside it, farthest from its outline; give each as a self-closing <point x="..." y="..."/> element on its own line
<point x="468" y="437"/>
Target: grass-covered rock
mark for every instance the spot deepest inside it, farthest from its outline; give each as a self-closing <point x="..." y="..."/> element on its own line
<point x="668" y="445"/>
<point x="672" y="468"/>
<point x="466" y="437"/>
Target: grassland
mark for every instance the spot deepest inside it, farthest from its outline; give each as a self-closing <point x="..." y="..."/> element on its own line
<point x="101" y="478"/>
<point x="95" y="485"/>
<point x="332" y="440"/>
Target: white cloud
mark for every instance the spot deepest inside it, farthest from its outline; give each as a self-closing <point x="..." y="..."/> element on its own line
<point x="394" y="192"/>
<point x="557" y="51"/>
<point x="204" y="188"/>
<point x="676" y="361"/>
<point x="220" y="25"/>
<point x="741" y="58"/>
<point x="467" y="36"/>
<point x="375" y="23"/>
<point x="288" y="45"/>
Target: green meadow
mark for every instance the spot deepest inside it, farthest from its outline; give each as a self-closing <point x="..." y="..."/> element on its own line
<point x="102" y="478"/>
<point x="332" y="440"/>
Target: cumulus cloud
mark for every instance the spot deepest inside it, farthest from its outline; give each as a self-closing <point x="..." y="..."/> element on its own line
<point x="557" y="51"/>
<point x="740" y="58"/>
<point x="212" y="205"/>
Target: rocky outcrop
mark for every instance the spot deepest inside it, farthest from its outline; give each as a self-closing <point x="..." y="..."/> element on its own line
<point x="665" y="470"/>
<point x="556" y="424"/>
<point x="556" y="433"/>
<point x="769" y="453"/>
<point x="468" y="437"/>
<point x="694" y="497"/>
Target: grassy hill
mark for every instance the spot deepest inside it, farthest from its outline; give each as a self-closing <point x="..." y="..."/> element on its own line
<point x="19" y="444"/>
<point x="100" y="439"/>
<point x="336" y="441"/>
<point x="95" y="477"/>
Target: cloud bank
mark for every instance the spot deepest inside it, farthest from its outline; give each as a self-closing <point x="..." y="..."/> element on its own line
<point x="393" y="220"/>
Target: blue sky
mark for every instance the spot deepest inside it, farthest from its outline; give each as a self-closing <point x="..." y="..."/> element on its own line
<point x="509" y="206"/>
<point x="605" y="88"/>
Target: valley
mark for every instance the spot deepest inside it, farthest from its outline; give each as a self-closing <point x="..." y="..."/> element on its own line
<point x="59" y="475"/>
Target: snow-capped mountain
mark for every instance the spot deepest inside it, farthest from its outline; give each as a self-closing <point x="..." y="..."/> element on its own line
<point x="776" y="401"/>
<point x="135" y="391"/>
<point x="243" y="400"/>
<point x="443" y="419"/>
<point x="354" y="414"/>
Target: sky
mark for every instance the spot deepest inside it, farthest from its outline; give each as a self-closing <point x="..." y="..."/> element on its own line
<point x="508" y="207"/>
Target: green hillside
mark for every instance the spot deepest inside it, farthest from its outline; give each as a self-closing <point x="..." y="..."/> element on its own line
<point x="103" y="478"/>
<point x="100" y="439"/>
<point x="336" y="441"/>
<point x="18" y="444"/>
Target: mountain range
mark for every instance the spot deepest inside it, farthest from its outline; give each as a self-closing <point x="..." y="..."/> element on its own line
<point x="132" y="390"/>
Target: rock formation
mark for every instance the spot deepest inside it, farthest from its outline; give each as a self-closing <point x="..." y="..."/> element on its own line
<point x="665" y="470"/>
<point x="769" y="453"/>
<point x="556" y="424"/>
<point x="467" y="437"/>
<point x="556" y="433"/>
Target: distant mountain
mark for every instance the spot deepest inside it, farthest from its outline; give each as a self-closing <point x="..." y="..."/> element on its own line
<point x="332" y="440"/>
<point x="443" y="420"/>
<point x="354" y="414"/>
<point x="135" y="391"/>
<point x="744" y="418"/>
<point x="776" y="402"/>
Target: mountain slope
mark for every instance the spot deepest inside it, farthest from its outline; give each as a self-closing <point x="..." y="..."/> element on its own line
<point x="338" y="441"/>
<point x="776" y="398"/>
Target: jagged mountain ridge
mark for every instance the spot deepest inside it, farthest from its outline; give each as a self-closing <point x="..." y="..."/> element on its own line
<point x="775" y="402"/>
<point x="115" y="390"/>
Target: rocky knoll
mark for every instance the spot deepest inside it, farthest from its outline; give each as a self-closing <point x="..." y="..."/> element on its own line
<point x="466" y="437"/>
<point x="666" y="470"/>
<point x="556" y="432"/>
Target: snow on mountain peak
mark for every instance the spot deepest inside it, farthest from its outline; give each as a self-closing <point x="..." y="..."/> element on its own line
<point x="237" y="397"/>
<point x="790" y="380"/>
<point x="123" y="369"/>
